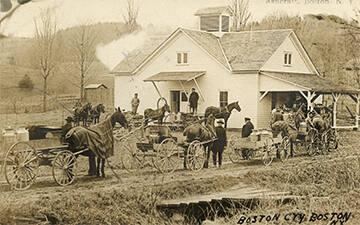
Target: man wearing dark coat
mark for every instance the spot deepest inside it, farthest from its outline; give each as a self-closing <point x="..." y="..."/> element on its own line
<point x="193" y="100"/>
<point x="220" y="143"/>
<point x="247" y="128"/>
<point x="66" y="127"/>
<point x="245" y="132"/>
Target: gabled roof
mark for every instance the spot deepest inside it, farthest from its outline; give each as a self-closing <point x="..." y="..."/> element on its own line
<point x="95" y="86"/>
<point x="213" y="11"/>
<point x="136" y="57"/>
<point x="249" y="50"/>
<point x="236" y="51"/>
<point x="313" y="82"/>
<point x="209" y="43"/>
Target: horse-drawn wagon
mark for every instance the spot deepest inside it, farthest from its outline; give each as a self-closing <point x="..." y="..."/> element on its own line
<point x="261" y="144"/>
<point x="154" y="146"/>
<point x="22" y="160"/>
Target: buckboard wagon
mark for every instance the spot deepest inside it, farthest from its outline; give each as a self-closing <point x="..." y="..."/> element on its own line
<point x="261" y="144"/>
<point x="155" y="146"/>
<point x="22" y="162"/>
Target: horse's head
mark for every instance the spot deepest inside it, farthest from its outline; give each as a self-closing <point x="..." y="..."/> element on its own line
<point x="119" y="117"/>
<point x="237" y="106"/>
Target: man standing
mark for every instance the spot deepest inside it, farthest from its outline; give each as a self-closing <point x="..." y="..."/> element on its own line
<point x="247" y="128"/>
<point x="193" y="101"/>
<point x="245" y="132"/>
<point x="220" y="143"/>
<point x="135" y="102"/>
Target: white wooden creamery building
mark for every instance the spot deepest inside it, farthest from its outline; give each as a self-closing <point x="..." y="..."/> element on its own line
<point x="260" y="69"/>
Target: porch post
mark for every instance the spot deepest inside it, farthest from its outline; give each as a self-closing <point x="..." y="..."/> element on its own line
<point x="309" y="96"/>
<point x="357" y="111"/>
<point x="335" y="99"/>
<point x="157" y="89"/>
<point x="198" y="87"/>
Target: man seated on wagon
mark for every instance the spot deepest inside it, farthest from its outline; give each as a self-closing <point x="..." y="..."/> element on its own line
<point x="64" y="129"/>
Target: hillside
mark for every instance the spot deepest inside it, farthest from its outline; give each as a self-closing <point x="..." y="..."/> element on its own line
<point x="15" y="57"/>
<point x="328" y="40"/>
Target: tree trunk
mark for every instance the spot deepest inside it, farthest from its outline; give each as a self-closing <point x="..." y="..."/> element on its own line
<point x="45" y="95"/>
<point x="82" y="81"/>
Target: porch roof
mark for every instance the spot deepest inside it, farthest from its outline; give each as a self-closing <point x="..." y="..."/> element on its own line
<point x="175" y="76"/>
<point x="313" y="82"/>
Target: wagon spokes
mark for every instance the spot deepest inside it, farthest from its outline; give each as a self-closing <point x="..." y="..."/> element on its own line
<point x="21" y="166"/>
<point x="64" y="168"/>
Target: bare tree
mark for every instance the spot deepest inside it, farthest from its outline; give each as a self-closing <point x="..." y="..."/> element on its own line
<point x="131" y="15"/>
<point x="240" y="13"/>
<point x="83" y="53"/>
<point x="45" y="57"/>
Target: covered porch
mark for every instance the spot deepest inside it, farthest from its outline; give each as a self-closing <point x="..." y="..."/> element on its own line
<point x="285" y="88"/>
<point x="178" y="96"/>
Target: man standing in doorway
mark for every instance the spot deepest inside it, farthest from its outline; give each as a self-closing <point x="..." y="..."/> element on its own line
<point x="193" y="101"/>
<point x="135" y="102"/>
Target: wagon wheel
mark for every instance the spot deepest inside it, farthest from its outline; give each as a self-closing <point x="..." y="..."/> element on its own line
<point x="64" y="168"/>
<point x="234" y="151"/>
<point x="268" y="152"/>
<point x="196" y="156"/>
<point x="130" y="159"/>
<point x="333" y="140"/>
<point x="21" y="166"/>
<point x="283" y="150"/>
<point x="313" y="146"/>
<point x="166" y="156"/>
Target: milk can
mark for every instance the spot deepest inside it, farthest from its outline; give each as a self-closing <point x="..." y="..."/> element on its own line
<point x="9" y="138"/>
<point x="22" y="134"/>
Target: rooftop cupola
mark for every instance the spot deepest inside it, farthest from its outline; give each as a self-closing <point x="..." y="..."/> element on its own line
<point x="214" y="19"/>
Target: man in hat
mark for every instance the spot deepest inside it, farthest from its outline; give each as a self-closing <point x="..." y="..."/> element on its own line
<point x="220" y="143"/>
<point x="66" y="127"/>
<point x="247" y="128"/>
<point x="193" y="101"/>
<point x="135" y="102"/>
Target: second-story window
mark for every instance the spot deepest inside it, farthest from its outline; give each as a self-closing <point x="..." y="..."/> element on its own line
<point x="287" y="58"/>
<point x="182" y="58"/>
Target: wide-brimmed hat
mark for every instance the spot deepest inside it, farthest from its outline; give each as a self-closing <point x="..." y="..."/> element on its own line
<point x="69" y="119"/>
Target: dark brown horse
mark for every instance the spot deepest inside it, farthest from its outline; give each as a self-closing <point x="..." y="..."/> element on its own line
<point x="98" y="139"/>
<point x="96" y="111"/>
<point x="222" y="112"/>
<point x="201" y="132"/>
<point x="157" y="114"/>
<point x="82" y="114"/>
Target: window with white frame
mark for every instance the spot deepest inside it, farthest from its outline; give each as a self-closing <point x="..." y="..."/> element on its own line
<point x="182" y="58"/>
<point x="287" y="58"/>
<point x="223" y="98"/>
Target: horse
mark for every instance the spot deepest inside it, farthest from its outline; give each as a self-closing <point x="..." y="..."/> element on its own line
<point x="98" y="139"/>
<point x="82" y="114"/>
<point x="96" y="111"/>
<point x="222" y="112"/>
<point x="200" y="132"/>
<point x="157" y="114"/>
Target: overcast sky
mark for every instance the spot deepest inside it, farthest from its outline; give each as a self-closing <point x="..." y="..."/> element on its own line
<point x="171" y="13"/>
